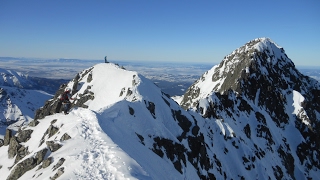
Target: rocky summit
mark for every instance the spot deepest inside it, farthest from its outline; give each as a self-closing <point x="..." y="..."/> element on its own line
<point x="272" y="108"/>
<point x="253" y="116"/>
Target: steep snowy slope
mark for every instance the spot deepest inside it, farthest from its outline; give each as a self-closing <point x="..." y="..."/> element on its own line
<point x="273" y="110"/>
<point x="124" y="111"/>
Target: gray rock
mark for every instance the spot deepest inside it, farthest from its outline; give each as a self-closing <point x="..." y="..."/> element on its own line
<point x="21" y="153"/>
<point x="75" y="84"/>
<point x="50" y="106"/>
<point x="53" y="121"/>
<point x="7" y="137"/>
<point x="46" y="162"/>
<point x="33" y="123"/>
<point x="24" y="135"/>
<point x="89" y="79"/>
<point x="22" y="168"/>
<point x="40" y="155"/>
<point x="52" y="130"/>
<point x="58" y="174"/>
<point x="53" y="105"/>
<point x="59" y="163"/>
<point x="65" y="137"/>
<point x="53" y="146"/>
<point x="13" y="147"/>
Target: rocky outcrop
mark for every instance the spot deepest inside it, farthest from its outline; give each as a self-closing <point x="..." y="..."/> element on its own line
<point x="33" y="123"/>
<point x="24" y="135"/>
<point x="7" y="137"/>
<point x="52" y="106"/>
<point x="65" y="137"/>
<point x="18" y="151"/>
<point x="14" y="146"/>
<point x="46" y="162"/>
<point x="26" y="165"/>
<point x="53" y="146"/>
<point x="58" y="174"/>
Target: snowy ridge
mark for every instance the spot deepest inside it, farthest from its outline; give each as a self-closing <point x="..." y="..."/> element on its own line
<point x="119" y="120"/>
<point x="247" y="118"/>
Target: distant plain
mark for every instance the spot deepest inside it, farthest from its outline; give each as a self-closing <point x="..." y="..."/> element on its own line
<point x="173" y="78"/>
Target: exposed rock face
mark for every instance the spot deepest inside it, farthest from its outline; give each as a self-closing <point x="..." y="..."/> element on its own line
<point x="52" y="106"/>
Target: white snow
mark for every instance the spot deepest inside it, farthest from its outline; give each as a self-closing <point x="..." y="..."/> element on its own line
<point x="298" y="109"/>
<point x="104" y="142"/>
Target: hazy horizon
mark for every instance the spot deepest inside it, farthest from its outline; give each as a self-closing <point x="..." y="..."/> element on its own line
<point x="183" y="31"/>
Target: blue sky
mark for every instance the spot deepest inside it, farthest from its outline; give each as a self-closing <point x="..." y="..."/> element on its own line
<point x="175" y="30"/>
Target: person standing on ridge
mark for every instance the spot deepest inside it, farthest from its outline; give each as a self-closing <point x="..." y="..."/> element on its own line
<point x="65" y="99"/>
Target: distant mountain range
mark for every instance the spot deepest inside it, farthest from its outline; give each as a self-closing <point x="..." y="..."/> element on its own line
<point x="253" y="116"/>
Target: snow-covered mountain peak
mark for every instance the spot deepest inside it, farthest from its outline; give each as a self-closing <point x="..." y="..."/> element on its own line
<point x="260" y="58"/>
<point x="103" y="85"/>
<point x="258" y="89"/>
